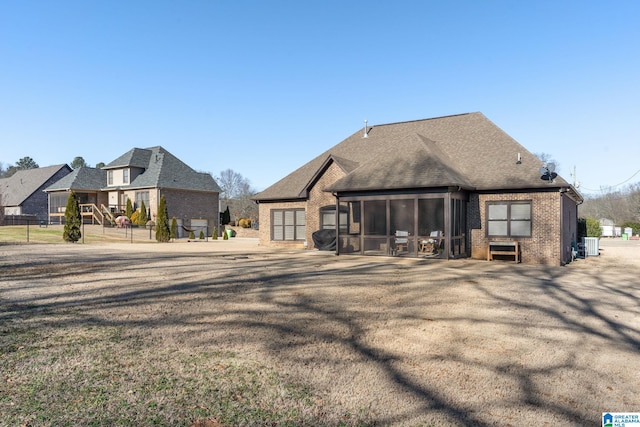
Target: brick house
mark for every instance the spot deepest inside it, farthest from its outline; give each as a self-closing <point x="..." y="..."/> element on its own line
<point x="22" y="193"/>
<point x="141" y="175"/>
<point x="446" y="187"/>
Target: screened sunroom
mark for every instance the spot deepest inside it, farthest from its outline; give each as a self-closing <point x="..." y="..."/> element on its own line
<point x="430" y="225"/>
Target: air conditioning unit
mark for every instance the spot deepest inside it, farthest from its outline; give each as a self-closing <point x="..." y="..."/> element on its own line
<point x="591" y="246"/>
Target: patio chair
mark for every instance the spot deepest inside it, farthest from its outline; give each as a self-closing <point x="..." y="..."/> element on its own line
<point x="577" y="251"/>
<point x="430" y="246"/>
<point x="400" y="242"/>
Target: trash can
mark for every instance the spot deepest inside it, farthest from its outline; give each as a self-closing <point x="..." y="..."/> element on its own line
<point x="229" y="232"/>
<point x="625" y="236"/>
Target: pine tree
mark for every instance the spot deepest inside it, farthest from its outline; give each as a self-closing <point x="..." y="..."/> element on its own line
<point x="214" y="234"/>
<point x="142" y="218"/>
<point x="201" y="235"/>
<point x="73" y="220"/>
<point x="162" y="225"/>
<point x="129" y="209"/>
<point x="174" y="228"/>
<point x="226" y="216"/>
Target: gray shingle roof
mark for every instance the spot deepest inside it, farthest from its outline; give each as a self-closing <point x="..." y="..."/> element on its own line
<point x="465" y="150"/>
<point x="22" y="184"/>
<point x="136" y="157"/>
<point x="162" y="170"/>
<point x="81" y="179"/>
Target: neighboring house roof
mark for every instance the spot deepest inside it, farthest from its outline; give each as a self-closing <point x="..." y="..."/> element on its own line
<point x="81" y="179"/>
<point x="22" y="184"/>
<point x="161" y="170"/>
<point x="465" y="150"/>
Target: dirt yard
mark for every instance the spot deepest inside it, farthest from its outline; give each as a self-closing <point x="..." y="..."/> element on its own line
<point x="377" y="341"/>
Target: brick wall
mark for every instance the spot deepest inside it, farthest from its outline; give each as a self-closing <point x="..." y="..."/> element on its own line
<point x="544" y="245"/>
<point x="318" y="198"/>
<point x="264" y="212"/>
<point x="188" y="205"/>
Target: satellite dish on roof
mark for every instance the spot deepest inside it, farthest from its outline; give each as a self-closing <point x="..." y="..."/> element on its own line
<point x="547" y="172"/>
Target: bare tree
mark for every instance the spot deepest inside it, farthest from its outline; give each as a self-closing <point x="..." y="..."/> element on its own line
<point x="236" y="194"/>
<point x="547" y="159"/>
<point x="620" y="206"/>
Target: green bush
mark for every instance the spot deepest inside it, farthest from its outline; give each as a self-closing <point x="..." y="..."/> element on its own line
<point x="72" y="220"/>
<point x="163" y="232"/>
<point x="224" y="235"/>
<point x="191" y="235"/>
<point x="593" y="227"/>
<point x="129" y="210"/>
<point x="635" y="226"/>
<point x="174" y="228"/>
<point x="226" y="216"/>
<point x="582" y="228"/>
<point x="142" y="216"/>
<point x="201" y="235"/>
<point x="214" y="233"/>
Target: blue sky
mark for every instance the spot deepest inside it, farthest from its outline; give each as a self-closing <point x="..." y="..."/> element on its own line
<point x="262" y="87"/>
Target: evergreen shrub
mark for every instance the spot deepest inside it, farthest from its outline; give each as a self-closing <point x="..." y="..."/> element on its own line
<point x="593" y="227"/>
<point x="174" y="228"/>
<point x="163" y="233"/>
<point x="72" y="220"/>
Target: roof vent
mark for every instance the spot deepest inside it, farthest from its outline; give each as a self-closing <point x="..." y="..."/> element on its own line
<point x="365" y="129"/>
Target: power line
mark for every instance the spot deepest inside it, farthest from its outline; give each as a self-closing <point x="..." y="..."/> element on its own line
<point x="614" y="186"/>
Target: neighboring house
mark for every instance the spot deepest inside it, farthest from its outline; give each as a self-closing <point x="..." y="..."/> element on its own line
<point x="142" y="175"/>
<point x="444" y="187"/>
<point x="609" y="229"/>
<point x="21" y="193"/>
<point x="86" y="183"/>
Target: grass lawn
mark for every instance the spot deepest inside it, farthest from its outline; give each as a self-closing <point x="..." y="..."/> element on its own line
<point x="102" y="375"/>
<point x="53" y="234"/>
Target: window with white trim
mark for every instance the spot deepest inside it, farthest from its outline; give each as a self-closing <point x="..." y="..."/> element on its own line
<point x="288" y="224"/>
<point x="509" y="219"/>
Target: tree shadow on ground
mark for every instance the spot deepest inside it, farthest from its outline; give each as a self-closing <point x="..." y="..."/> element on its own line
<point x="338" y="316"/>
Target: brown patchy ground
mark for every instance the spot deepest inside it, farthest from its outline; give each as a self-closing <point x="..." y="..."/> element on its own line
<point x="383" y="341"/>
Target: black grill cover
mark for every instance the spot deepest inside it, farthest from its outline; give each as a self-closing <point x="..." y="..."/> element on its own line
<point x="324" y="240"/>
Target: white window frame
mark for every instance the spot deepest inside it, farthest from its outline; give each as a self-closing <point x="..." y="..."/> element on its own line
<point x="288" y="225"/>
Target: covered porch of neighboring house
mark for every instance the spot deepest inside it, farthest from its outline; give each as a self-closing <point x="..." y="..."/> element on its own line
<point x="92" y="208"/>
<point x="421" y="224"/>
